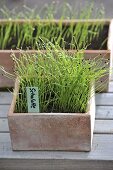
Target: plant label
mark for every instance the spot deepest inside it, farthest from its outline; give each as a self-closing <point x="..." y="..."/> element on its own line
<point x="32" y="99"/>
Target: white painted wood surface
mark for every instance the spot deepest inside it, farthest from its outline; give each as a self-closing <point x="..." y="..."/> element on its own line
<point x="104" y="127"/>
<point x="102" y="150"/>
<point x="104" y="112"/>
<point x="5" y="98"/>
<point x="104" y="99"/>
<point x="100" y="158"/>
<point x="4" y="110"/>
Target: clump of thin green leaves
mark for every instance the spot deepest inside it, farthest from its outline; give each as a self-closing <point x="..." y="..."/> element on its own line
<point x="64" y="81"/>
<point x="29" y="35"/>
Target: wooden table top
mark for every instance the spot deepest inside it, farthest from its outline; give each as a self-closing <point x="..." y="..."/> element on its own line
<point x="100" y="158"/>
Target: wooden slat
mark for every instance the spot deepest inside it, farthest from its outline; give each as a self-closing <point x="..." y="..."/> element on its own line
<point x="5" y="98"/>
<point x="104" y="112"/>
<point x="104" y="126"/>
<point x="104" y="99"/>
<point x="4" y="125"/>
<point x="102" y="150"/>
<point x="4" y="110"/>
<point x="100" y="158"/>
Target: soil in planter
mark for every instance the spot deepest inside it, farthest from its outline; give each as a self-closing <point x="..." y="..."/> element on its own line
<point x="101" y="42"/>
<point x="11" y="39"/>
<point x="97" y="43"/>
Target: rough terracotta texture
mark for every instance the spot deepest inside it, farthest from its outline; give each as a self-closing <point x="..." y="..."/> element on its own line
<point x="51" y="131"/>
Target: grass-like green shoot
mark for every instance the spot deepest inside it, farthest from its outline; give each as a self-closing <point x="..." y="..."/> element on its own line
<point x="64" y="81"/>
<point x="27" y="35"/>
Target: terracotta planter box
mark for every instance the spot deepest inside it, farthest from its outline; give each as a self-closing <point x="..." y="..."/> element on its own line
<point x="51" y="131"/>
<point x="6" y="61"/>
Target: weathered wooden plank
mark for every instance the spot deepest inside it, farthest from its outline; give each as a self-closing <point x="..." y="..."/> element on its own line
<point x="102" y="150"/>
<point x="4" y="110"/>
<point x="101" y="126"/>
<point x="53" y="164"/>
<point x="104" y="112"/>
<point x="104" y="99"/>
<point x="104" y="126"/>
<point x="4" y="125"/>
<point x="5" y="98"/>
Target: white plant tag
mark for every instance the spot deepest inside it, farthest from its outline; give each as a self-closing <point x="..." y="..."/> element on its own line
<point x="32" y="99"/>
